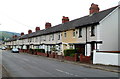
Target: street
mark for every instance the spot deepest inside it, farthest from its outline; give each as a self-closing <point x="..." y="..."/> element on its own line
<point x="27" y="65"/>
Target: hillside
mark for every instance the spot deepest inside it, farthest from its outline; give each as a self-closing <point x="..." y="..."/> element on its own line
<point x="7" y="35"/>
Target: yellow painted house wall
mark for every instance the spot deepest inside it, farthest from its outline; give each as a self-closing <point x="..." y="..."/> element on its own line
<point x="69" y="37"/>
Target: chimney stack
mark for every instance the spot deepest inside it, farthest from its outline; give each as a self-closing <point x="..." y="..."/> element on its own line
<point x="37" y="29"/>
<point x="47" y="25"/>
<point x="94" y="8"/>
<point x="65" y="19"/>
<point x="22" y="33"/>
<point x="29" y="31"/>
<point x="14" y="36"/>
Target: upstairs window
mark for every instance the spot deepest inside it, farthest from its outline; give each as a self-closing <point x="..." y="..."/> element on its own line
<point x="58" y="36"/>
<point x="36" y="39"/>
<point x="65" y="35"/>
<point x="39" y="38"/>
<point x="49" y="37"/>
<point x="44" y="38"/>
<point x="80" y="32"/>
<point x="52" y="36"/>
<point x="92" y="30"/>
<point x="73" y="33"/>
<point x="33" y="39"/>
<point x="30" y="40"/>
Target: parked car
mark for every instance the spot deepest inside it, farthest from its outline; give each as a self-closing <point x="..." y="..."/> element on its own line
<point x="15" y="50"/>
<point x="3" y="48"/>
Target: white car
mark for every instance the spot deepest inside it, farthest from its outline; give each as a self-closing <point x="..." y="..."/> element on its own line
<point x="15" y="50"/>
<point x="3" y="48"/>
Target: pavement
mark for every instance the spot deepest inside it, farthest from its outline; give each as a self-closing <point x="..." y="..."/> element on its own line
<point x="109" y="68"/>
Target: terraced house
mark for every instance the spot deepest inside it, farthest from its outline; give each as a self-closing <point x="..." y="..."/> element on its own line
<point x="97" y="31"/>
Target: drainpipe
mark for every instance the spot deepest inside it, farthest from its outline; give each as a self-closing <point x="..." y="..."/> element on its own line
<point x="86" y="40"/>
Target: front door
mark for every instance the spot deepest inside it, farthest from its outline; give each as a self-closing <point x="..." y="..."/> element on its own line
<point x="80" y="48"/>
<point x="28" y="47"/>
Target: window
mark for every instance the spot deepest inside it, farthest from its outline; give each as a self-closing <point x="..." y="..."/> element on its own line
<point x="44" y="38"/>
<point x="92" y="30"/>
<point x="59" y="36"/>
<point x="65" y="35"/>
<point x="71" y="47"/>
<point x="49" y="37"/>
<point x="39" y="38"/>
<point x="73" y="33"/>
<point x="80" y="32"/>
<point x="30" y="40"/>
<point x="33" y="39"/>
<point x="76" y="32"/>
<point x="52" y="36"/>
<point x="36" y="39"/>
<point x="27" y="40"/>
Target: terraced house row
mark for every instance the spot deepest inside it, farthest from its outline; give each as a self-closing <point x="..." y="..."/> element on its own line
<point x="100" y="30"/>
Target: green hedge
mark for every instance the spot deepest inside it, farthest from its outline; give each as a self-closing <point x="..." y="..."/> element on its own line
<point x="40" y="50"/>
<point x="31" y="51"/>
<point x="69" y="52"/>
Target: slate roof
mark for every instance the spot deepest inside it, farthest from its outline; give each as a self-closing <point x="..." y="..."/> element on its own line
<point x="12" y="39"/>
<point x="80" y="22"/>
<point x="24" y="36"/>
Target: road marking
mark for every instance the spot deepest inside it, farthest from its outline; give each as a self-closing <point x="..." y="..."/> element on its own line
<point x="65" y="72"/>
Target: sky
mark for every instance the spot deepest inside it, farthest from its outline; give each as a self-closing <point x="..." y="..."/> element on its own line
<point x="22" y="15"/>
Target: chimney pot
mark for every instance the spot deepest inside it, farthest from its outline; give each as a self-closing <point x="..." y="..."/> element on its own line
<point x="94" y="8"/>
<point x="47" y="25"/>
<point x="22" y="33"/>
<point x="65" y="19"/>
<point x="29" y="31"/>
<point x="37" y="29"/>
<point x="15" y="36"/>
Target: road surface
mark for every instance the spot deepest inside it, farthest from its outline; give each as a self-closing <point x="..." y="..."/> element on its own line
<point x="26" y="65"/>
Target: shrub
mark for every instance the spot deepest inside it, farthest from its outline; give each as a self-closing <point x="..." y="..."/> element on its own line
<point x="31" y="51"/>
<point x="69" y="52"/>
<point x="40" y="50"/>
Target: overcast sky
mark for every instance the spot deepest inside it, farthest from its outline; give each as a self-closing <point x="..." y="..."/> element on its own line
<point x="22" y="15"/>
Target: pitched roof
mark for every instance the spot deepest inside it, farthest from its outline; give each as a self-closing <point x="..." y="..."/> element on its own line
<point x="12" y="39"/>
<point x="80" y="22"/>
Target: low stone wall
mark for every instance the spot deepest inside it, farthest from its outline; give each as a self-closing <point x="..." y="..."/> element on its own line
<point x="42" y="54"/>
<point x="52" y="55"/>
<point x="69" y="58"/>
<point x="75" y="58"/>
<point x="85" y="59"/>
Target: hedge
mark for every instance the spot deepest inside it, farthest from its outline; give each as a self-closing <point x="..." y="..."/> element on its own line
<point x="70" y="52"/>
<point x="31" y="51"/>
<point x="40" y="50"/>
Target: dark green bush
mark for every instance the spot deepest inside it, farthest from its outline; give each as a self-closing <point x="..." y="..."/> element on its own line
<point x="69" y="52"/>
<point x="40" y="50"/>
<point x="31" y="51"/>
